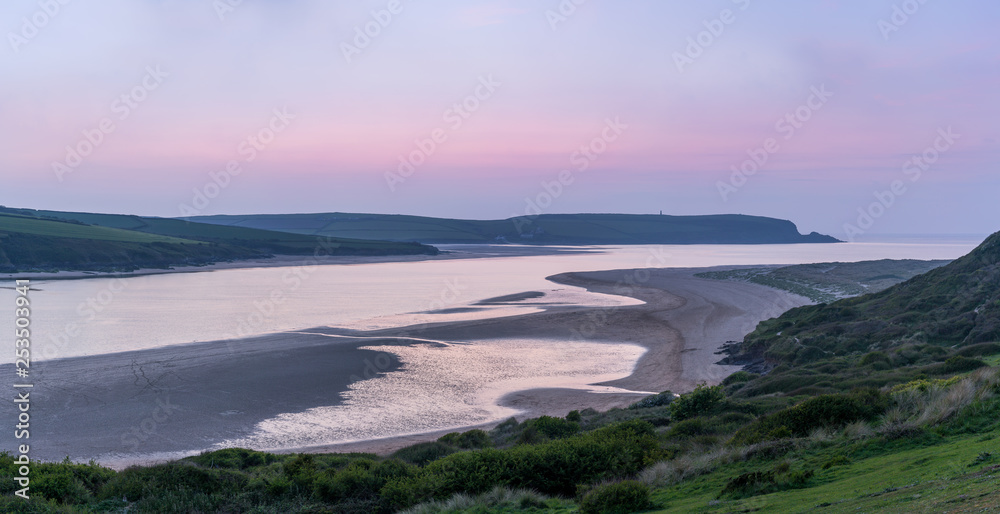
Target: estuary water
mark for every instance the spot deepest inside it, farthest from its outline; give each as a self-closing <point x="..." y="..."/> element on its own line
<point x="95" y="316"/>
<point x="439" y="386"/>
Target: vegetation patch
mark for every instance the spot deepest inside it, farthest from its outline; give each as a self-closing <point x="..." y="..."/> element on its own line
<point x="616" y="498"/>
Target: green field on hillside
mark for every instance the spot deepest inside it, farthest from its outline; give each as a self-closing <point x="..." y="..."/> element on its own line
<point x="54" y="228"/>
<point x="33" y="240"/>
<point x="830" y="281"/>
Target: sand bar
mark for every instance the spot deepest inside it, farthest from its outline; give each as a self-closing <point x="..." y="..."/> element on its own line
<point x="188" y="397"/>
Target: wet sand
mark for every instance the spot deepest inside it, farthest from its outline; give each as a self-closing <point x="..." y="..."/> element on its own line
<point x="683" y="323"/>
<point x="188" y="397"/>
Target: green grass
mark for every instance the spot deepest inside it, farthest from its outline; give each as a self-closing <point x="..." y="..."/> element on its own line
<point x="830" y="281"/>
<point x="53" y="228"/>
<point x="52" y="241"/>
<point x="223" y="234"/>
<point x="951" y="464"/>
<point x="915" y="326"/>
<point x="934" y="478"/>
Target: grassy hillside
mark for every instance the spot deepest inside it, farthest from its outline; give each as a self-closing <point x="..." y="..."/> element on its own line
<point x="912" y="427"/>
<point x="14" y="223"/>
<point x="923" y="447"/>
<point x="561" y="229"/>
<point x="831" y="281"/>
<point x="949" y="310"/>
<point x="50" y="240"/>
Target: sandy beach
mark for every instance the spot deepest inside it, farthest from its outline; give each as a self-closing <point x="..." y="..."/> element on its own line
<point x="179" y="399"/>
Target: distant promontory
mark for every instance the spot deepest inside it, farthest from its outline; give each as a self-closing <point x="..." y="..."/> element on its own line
<point x="544" y="229"/>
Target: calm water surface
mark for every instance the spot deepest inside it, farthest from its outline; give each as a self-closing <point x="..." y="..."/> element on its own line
<point x="101" y="315"/>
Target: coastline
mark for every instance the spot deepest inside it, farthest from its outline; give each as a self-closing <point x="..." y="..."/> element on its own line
<point x="448" y="252"/>
<point x="682" y="327"/>
<point x="102" y="405"/>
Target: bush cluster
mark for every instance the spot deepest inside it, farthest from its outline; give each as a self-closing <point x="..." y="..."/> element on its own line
<point x="817" y="412"/>
<point x="555" y="467"/>
<point x="700" y="401"/>
<point x="656" y="400"/>
<point x="616" y="498"/>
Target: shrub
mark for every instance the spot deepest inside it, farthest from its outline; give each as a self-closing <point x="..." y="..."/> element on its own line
<point x="360" y="479"/>
<point x="981" y="459"/>
<point x="740" y="377"/>
<point x="749" y="483"/>
<point x="699" y="401"/>
<point x="422" y="453"/>
<point x="473" y="439"/>
<point x="817" y="412"/>
<point x="555" y="467"/>
<point x="555" y="428"/>
<point x="13" y="505"/>
<point x="959" y="364"/>
<point x="504" y="432"/>
<point x="233" y="458"/>
<point x="781" y="432"/>
<point x="689" y="428"/>
<point x="839" y="460"/>
<point x="616" y="498"/>
<point x="979" y="350"/>
<point x="136" y="483"/>
<point x="530" y="435"/>
<point x="762" y="482"/>
<point x="552" y="428"/>
<point x="300" y="465"/>
<point x="278" y="486"/>
<point x="60" y="485"/>
<point x="574" y="416"/>
<point x="923" y="385"/>
<point x="656" y="400"/>
<point x="499" y="499"/>
<point x="871" y="358"/>
<point x="65" y="482"/>
<point x="729" y="422"/>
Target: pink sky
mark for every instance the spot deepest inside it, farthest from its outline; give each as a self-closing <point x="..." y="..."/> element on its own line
<point x="556" y="80"/>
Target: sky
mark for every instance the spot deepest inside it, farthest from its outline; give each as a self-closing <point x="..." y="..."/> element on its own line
<point x="851" y="118"/>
